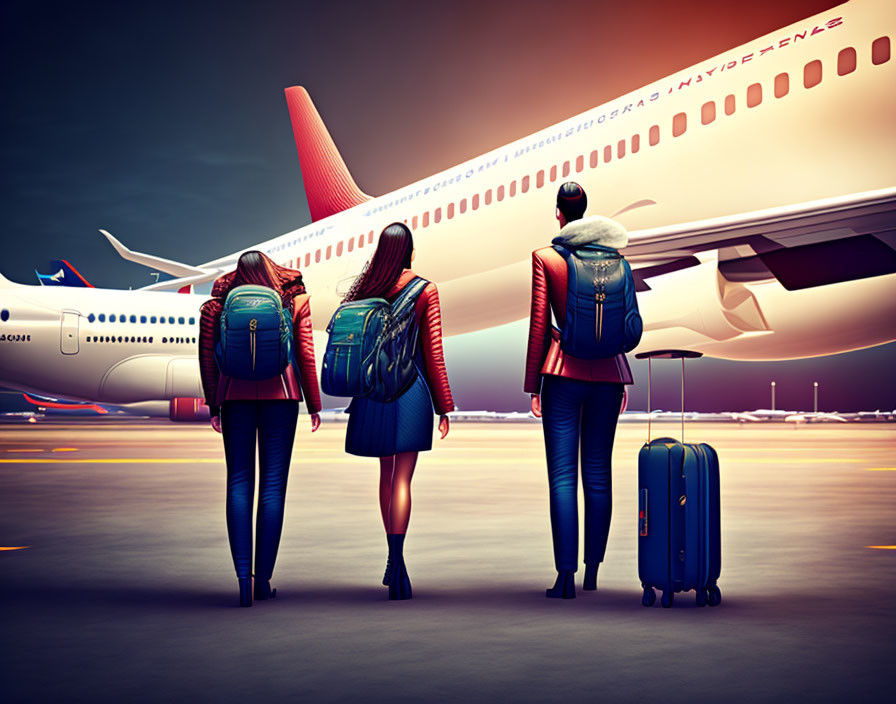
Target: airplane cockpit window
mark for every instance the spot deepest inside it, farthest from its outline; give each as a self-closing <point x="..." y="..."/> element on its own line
<point x="846" y="61"/>
<point x="679" y="124"/>
<point x="812" y="74"/>
<point x="880" y="50"/>
<point x="754" y="95"/>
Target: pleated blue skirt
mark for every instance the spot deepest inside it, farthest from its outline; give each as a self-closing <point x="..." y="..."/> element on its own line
<point x="381" y="429"/>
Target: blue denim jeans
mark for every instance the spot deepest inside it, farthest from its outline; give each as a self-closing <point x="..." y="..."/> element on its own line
<point x="575" y="412"/>
<point x="274" y="423"/>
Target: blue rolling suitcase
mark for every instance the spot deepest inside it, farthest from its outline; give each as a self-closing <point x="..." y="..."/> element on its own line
<point x="679" y="534"/>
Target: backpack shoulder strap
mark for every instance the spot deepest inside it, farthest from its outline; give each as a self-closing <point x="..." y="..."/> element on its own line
<point x="409" y="293"/>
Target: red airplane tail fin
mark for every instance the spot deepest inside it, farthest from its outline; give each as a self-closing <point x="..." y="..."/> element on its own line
<point x="329" y="186"/>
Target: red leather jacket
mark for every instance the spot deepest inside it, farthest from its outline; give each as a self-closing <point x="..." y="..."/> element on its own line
<point x="544" y="355"/>
<point x="429" y="323"/>
<point x="219" y="388"/>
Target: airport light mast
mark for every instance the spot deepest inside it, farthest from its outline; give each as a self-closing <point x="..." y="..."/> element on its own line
<point x="815" y="399"/>
<point x="773" y="395"/>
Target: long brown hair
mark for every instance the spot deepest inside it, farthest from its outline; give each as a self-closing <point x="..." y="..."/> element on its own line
<point x="258" y="269"/>
<point x="392" y="255"/>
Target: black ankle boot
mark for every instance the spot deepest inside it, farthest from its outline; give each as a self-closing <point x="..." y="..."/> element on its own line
<point x="246" y="591"/>
<point x="590" y="583"/>
<point x="564" y="587"/>
<point x="388" y="562"/>
<point x="263" y="589"/>
<point x="399" y="582"/>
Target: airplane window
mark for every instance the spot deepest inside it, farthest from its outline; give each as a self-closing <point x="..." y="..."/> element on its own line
<point x="679" y="124"/>
<point x="370" y="237"/>
<point x="580" y="163"/>
<point x="463" y="205"/>
<point x="708" y="112"/>
<point x="437" y="215"/>
<point x="414" y="222"/>
<point x="636" y="143"/>
<point x="133" y="318"/>
<point x="512" y="191"/>
<point x="782" y="85"/>
<point x="150" y="340"/>
<point x="112" y="318"/>
<point x="488" y="197"/>
<point x="142" y="318"/>
<point x="450" y="210"/>
<point x="620" y="149"/>
<point x="729" y="105"/>
<point x="553" y="174"/>
<point x="500" y="194"/>
<point x="5" y="315"/>
<point x="812" y="74"/>
<point x="654" y="135"/>
<point x="565" y="168"/>
<point x="180" y="321"/>
<point x="424" y="220"/>
<point x="329" y="251"/>
<point x="123" y="318"/>
<point x="192" y="321"/>
<point x="880" y="50"/>
<point x="339" y="249"/>
<point x="308" y="259"/>
<point x="593" y="160"/>
<point x="152" y="319"/>
<point x="608" y="153"/>
<point x="317" y="256"/>
<point x="754" y="95"/>
<point x="475" y="202"/>
<point x="119" y="338"/>
<point x="171" y="320"/>
<point x="846" y="61"/>
<point x="524" y="185"/>
<point x="539" y="179"/>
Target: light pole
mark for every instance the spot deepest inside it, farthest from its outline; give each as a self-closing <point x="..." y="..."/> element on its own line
<point x="815" y="402"/>
<point x="773" y="395"/>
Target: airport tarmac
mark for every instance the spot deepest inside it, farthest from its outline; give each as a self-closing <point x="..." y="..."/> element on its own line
<point x="126" y="591"/>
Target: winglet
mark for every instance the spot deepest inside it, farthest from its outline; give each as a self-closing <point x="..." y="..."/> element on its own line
<point x="329" y="186"/>
<point x="167" y="265"/>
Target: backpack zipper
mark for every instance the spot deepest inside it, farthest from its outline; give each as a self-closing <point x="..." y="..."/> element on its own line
<point x="253" y="324"/>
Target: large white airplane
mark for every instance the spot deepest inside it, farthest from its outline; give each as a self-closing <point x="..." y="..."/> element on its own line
<point x="759" y="187"/>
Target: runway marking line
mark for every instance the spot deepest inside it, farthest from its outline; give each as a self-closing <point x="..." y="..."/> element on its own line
<point x="20" y="547"/>
<point x="65" y="449"/>
<point x="881" y="547"/>
<point x="882" y="469"/>
<point x="27" y="449"/>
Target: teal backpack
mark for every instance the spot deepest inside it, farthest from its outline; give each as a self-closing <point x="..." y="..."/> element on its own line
<point x="371" y="348"/>
<point x="254" y="335"/>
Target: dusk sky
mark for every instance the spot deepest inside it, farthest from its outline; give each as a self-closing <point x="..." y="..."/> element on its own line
<point x="166" y="124"/>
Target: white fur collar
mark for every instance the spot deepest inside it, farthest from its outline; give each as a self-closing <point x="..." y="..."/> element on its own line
<point x="593" y="230"/>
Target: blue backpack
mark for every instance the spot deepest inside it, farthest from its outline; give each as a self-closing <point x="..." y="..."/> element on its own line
<point x="254" y="334"/>
<point x="602" y="318"/>
<point x="371" y="348"/>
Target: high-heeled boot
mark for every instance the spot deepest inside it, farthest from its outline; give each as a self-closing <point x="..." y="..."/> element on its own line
<point x="399" y="582"/>
<point x="564" y="587"/>
<point x="590" y="582"/>
<point x="263" y="589"/>
<point x="388" y="562"/>
<point x="246" y="591"/>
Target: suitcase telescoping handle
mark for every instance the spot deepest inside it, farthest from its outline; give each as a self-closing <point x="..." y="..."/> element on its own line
<point x="666" y="354"/>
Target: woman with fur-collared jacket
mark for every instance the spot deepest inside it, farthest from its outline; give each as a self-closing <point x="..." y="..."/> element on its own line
<point x="579" y="399"/>
<point x="267" y="409"/>
<point x="397" y="431"/>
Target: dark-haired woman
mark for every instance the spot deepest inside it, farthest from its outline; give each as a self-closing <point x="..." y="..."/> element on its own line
<point x="396" y="432"/>
<point x="268" y="409"/>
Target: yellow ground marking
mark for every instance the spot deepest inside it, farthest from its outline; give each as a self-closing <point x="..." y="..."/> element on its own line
<point x="65" y="449"/>
<point x="27" y="449"/>
<point x="882" y="469"/>
<point x="881" y="547"/>
<point x="21" y="547"/>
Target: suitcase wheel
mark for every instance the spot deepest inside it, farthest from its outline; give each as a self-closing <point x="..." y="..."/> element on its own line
<point x="702" y="597"/>
<point x="649" y="597"/>
<point x="666" y="599"/>
<point x="714" y="596"/>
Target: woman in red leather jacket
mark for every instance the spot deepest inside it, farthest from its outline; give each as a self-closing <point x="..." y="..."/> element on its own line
<point x="396" y="432"/>
<point x="580" y="398"/>
<point x="268" y="409"/>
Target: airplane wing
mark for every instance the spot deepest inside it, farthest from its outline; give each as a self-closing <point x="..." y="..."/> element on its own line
<point x="805" y="245"/>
